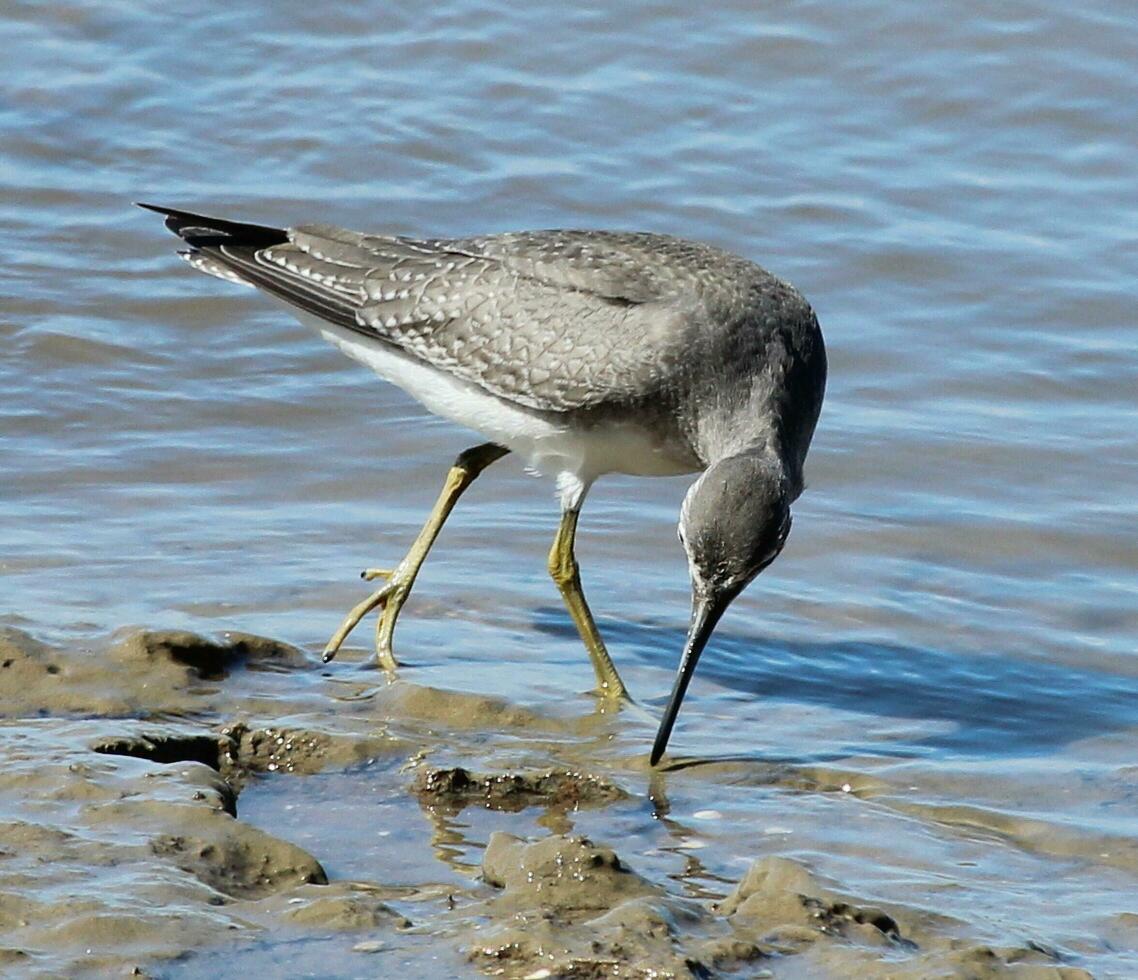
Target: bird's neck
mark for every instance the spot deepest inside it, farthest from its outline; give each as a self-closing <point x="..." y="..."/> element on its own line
<point x="748" y="430"/>
<point x="766" y="457"/>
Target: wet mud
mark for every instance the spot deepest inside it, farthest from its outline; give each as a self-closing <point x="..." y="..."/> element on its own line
<point x="130" y="764"/>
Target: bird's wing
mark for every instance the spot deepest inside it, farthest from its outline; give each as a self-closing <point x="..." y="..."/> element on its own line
<point x="552" y="320"/>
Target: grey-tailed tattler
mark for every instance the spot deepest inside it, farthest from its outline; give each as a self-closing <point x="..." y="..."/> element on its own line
<point x="585" y="352"/>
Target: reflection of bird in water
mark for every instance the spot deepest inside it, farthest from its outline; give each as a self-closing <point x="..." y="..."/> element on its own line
<point x="587" y="353"/>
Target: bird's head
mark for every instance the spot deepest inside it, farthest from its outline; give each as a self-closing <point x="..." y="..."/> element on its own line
<point x="733" y="523"/>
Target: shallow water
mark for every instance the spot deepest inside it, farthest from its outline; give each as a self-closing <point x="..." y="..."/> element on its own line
<point x="952" y="627"/>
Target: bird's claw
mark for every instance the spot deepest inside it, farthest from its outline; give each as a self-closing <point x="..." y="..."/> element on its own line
<point x="389" y="599"/>
<point x="398" y="590"/>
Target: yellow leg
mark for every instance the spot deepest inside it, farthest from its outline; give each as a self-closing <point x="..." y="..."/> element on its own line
<point x="400" y="579"/>
<point x="563" y="568"/>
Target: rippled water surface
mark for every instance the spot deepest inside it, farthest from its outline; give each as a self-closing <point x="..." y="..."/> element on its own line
<point x="955" y="616"/>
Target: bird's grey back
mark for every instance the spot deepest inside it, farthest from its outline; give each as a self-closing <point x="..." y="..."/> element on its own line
<point x="590" y="316"/>
<point x="569" y="321"/>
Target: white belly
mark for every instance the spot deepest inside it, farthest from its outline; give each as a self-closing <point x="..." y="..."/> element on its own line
<point x="573" y="455"/>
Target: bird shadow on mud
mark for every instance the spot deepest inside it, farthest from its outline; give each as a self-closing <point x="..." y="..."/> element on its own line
<point x="997" y="705"/>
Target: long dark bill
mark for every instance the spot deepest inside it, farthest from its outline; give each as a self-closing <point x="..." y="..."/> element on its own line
<point x="705" y="613"/>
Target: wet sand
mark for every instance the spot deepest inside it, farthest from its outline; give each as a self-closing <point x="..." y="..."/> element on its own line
<point x="125" y="847"/>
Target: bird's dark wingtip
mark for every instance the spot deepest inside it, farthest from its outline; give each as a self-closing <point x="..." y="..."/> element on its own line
<point x="170" y="214"/>
<point x="201" y="230"/>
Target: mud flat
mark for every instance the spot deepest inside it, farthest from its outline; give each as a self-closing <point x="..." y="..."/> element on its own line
<point x="174" y="804"/>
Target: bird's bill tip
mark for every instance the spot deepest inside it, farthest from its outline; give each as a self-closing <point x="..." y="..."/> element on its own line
<point x="705" y="613"/>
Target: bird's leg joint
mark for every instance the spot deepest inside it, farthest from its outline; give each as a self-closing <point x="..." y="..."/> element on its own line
<point x="475" y="459"/>
<point x="565" y="571"/>
<point x="563" y="567"/>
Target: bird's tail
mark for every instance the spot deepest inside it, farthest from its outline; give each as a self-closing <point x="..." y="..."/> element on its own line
<point x="205" y="235"/>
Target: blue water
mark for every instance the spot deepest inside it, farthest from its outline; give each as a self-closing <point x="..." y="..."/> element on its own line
<point x="951" y="186"/>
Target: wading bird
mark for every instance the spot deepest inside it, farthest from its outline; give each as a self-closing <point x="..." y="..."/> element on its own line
<point x="585" y="352"/>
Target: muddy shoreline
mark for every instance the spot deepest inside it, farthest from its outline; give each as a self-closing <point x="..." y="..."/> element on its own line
<point x="127" y="765"/>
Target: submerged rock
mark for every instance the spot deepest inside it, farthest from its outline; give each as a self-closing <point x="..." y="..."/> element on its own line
<point x="239" y="860"/>
<point x="574" y="909"/>
<point x="300" y="750"/>
<point x="562" y="875"/>
<point x="455" y="789"/>
<point x="782" y="902"/>
<point x="341" y="907"/>
<point x="137" y="673"/>
<point x="207" y="658"/>
<point x="168" y="747"/>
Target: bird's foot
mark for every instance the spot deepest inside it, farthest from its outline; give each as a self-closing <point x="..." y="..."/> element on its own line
<point x="389" y="599"/>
